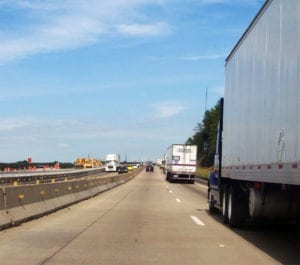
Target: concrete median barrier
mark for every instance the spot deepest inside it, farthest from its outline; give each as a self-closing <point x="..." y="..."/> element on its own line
<point x="5" y="220"/>
<point x="24" y="202"/>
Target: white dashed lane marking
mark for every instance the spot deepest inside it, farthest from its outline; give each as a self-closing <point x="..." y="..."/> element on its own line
<point x="197" y="221"/>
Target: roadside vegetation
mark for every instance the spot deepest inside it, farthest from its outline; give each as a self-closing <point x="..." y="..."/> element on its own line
<point x="205" y="139"/>
<point x="203" y="172"/>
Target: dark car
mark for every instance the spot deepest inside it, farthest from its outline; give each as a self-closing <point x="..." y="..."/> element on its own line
<point x="122" y="169"/>
<point x="149" y="168"/>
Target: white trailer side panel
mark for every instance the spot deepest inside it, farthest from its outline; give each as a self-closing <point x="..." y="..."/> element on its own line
<point x="261" y="134"/>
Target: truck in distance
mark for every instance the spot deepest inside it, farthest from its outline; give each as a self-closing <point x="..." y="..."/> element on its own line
<point x="181" y="163"/>
<point x="112" y="162"/>
<point x="257" y="162"/>
<point x="159" y="162"/>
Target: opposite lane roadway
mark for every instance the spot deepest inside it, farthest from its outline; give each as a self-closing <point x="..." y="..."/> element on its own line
<point x="145" y="221"/>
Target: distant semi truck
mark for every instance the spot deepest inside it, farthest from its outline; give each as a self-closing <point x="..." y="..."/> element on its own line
<point x="112" y="162"/>
<point x="181" y="163"/>
<point x="159" y="162"/>
<point x="257" y="165"/>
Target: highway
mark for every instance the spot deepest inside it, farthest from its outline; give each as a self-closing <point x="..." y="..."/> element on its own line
<point x="145" y="221"/>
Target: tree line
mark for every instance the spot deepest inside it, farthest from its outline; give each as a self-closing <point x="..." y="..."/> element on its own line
<point x="205" y="136"/>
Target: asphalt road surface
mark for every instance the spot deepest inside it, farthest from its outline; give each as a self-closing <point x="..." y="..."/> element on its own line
<point x="145" y="221"/>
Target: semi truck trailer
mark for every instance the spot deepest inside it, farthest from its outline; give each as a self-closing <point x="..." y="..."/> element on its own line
<point x="181" y="163"/>
<point x="257" y="161"/>
<point x="112" y="162"/>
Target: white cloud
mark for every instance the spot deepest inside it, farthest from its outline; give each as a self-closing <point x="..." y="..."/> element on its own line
<point x="14" y="124"/>
<point x="215" y="1"/>
<point x="168" y="109"/>
<point x="34" y="4"/>
<point x="244" y="2"/>
<point x="219" y="90"/>
<point x="204" y="57"/>
<point x="155" y="29"/>
<point x="63" y="145"/>
<point x="22" y="133"/>
<point x="57" y="25"/>
<point x="65" y="32"/>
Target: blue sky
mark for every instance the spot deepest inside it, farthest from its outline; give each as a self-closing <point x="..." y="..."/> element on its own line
<point x="91" y="77"/>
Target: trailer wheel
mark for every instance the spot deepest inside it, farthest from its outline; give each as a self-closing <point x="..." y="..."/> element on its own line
<point x="237" y="206"/>
<point x="298" y="228"/>
<point x="225" y="205"/>
<point x="210" y="206"/>
<point x="169" y="177"/>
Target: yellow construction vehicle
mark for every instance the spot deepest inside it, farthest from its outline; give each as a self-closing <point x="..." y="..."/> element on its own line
<point x="87" y="162"/>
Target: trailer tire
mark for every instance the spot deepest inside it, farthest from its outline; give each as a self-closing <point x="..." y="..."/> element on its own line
<point x="210" y="206"/>
<point x="225" y="205"/>
<point x="169" y="177"/>
<point x="237" y="206"/>
<point x="298" y="229"/>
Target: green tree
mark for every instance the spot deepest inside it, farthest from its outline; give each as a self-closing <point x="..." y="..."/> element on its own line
<point x="205" y="136"/>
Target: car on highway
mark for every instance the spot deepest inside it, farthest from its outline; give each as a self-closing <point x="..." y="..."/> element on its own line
<point x="122" y="169"/>
<point x="149" y="168"/>
<point x="130" y="167"/>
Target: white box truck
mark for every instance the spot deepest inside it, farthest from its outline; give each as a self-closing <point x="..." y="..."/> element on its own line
<point x="181" y="163"/>
<point x="257" y="165"/>
<point x="112" y="161"/>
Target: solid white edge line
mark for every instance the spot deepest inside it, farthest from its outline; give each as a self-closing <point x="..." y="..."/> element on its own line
<point x="197" y="221"/>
